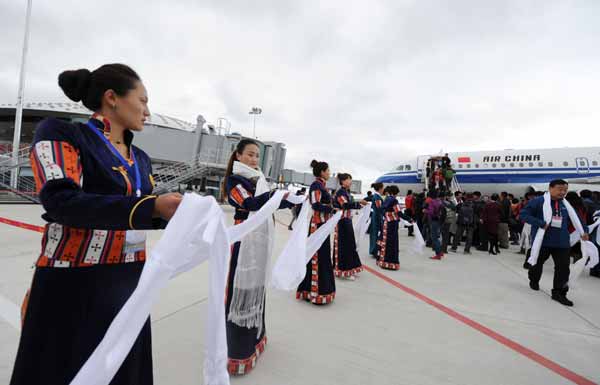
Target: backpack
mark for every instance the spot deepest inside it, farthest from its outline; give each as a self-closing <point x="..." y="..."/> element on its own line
<point x="466" y="214"/>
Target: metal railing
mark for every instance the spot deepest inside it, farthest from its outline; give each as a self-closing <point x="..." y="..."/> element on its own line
<point x="169" y="178"/>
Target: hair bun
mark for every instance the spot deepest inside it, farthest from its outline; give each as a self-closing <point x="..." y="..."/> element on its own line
<point x="314" y="163"/>
<point x="75" y="84"/>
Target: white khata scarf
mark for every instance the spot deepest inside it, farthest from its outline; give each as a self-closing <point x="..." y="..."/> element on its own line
<point x="418" y="242"/>
<point x="525" y="242"/>
<point x="362" y="224"/>
<point x="248" y="299"/>
<point x="588" y="249"/>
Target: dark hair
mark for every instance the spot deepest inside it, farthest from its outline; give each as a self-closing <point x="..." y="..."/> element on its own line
<point x="369" y="193"/>
<point x="409" y="192"/>
<point x="318" y="167"/>
<point x="432" y="194"/>
<point x="558" y="182"/>
<point x="504" y="194"/>
<point x="89" y="87"/>
<point x="587" y="194"/>
<point x="515" y="201"/>
<point x="477" y="193"/>
<point x="457" y="193"/>
<point x="239" y="149"/>
<point x="575" y="200"/>
<point x="393" y="190"/>
<point x="342" y="176"/>
<point x="377" y="186"/>
<point x="494" y="197"/>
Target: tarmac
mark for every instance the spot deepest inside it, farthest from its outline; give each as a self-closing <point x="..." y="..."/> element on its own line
<point x="467" y="319"/>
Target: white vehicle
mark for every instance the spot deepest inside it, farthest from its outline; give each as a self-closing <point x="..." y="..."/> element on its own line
<point x="513" y="171"/>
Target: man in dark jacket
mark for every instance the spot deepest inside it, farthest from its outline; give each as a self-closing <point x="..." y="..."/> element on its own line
<point x="504" y="219"/>
<point x="591" y="207"/>
<point x="556" y="241"/>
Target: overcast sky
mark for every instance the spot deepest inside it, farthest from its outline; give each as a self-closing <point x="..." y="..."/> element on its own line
<point x="361" y="85"/>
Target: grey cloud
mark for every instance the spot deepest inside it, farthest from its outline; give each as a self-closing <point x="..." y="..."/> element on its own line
<point x="360" y="85"/>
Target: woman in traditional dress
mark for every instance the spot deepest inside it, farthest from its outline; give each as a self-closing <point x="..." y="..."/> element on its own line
<point x="246" y="190"/>
<point x="318" y="286"/>
<point x="346" y="259"/>
<point x="91" y="258"/>
<point x="392" y="212"/>
<point x="376" y="218"/>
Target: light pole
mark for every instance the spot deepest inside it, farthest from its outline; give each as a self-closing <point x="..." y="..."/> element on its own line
<point x="14" y="175"/>
<point x="255" y="111"/>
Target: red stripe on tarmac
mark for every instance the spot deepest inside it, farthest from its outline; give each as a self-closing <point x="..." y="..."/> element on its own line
<point x="556" y="368"/>
<point x="26" y="226"/>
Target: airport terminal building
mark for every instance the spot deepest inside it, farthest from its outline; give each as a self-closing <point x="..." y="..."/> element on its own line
<point x="185" y="156"/>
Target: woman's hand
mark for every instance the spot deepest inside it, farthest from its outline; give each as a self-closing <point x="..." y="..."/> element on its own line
<point x="363" y="202"/>
<point x="166" y="205"/>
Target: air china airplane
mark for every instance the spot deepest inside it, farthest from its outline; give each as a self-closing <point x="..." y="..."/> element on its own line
<point x="513" y="171"/>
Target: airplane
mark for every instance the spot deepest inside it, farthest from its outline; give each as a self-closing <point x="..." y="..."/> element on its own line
<point x="513" y="171"/>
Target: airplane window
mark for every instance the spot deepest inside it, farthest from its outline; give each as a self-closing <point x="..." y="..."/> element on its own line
<point x="494" y="165"/>
<point x="582" y="163"/>
<point x="400" y="168"/>
<point x="594" y="162"/>
<point x="565" y="163"/>
<point x="476" y="165"/>
<point x="469" y="165"/>
<point x="521" y="165"/>
<point x="512" y="165"/>
<point x="407" y="167"/>
<point x="541" y="164"/>
<point x="550" y="164"/>
<point x="460" y="165"/>
<point x="530" y="164"/>
<point x="503" y="165"/>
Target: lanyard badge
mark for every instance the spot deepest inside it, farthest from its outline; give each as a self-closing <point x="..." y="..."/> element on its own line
<point x="125" y="163"/>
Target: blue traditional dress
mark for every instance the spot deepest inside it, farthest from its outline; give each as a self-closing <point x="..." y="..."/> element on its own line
<point x="318" y="285"/>
<point x="90" y="262"/>
<point x="389" y="248"/>
<point x="244" y="344"/>
<point x="346" y="260"/>
<point x="376" y="223"/>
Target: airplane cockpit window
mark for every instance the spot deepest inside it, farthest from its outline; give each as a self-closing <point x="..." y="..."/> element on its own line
<point x="565" y="164"/>
<point x="407" y="167"/>
<point x="400" y="168"/>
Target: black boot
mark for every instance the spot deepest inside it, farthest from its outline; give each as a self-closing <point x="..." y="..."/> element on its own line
<point x="560" y="296"/>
